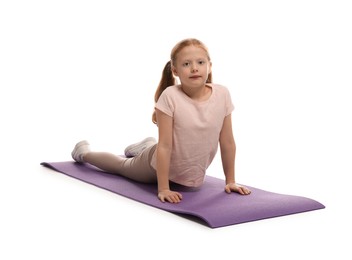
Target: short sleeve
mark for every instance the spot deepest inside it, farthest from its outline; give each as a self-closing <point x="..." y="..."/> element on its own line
<point x="229" y="105"/>
<point x="165" y="103"/>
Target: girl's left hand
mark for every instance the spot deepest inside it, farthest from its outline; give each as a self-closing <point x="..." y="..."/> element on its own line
<point x="237" y="188"/>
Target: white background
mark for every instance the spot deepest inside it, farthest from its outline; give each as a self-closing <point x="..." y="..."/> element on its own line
<point x="73" y="70"/>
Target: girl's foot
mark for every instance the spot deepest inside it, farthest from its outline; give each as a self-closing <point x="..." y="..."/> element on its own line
<point x="80" y="149"/>
<point x="135" y="149"/>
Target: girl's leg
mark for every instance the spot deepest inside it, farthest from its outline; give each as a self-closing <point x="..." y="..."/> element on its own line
<point x="105" y="161"/>
<point x="135" y="149"/>
<point x="137" y="168"/>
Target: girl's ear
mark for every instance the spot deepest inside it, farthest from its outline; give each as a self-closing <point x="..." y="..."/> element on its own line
<point x="210" y="67"/>
<point x="173" y="69"/>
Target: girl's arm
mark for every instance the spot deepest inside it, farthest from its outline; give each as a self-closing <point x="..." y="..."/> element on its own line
<point x="228" y="154"/>
<point x="165" y="125"/>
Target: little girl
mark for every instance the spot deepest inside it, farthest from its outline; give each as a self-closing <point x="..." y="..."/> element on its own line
<point x="192" y="118"/>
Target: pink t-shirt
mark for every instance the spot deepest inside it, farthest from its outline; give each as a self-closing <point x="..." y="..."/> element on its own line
<point x="196" y="131"/>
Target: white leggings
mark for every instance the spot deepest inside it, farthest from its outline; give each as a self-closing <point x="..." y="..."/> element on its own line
<point x="136" y="168"/>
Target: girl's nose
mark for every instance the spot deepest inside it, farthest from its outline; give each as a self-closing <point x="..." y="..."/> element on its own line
<point x="194" y="68"/>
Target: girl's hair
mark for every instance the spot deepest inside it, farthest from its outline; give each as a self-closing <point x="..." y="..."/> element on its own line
<point x="167" y="77"/>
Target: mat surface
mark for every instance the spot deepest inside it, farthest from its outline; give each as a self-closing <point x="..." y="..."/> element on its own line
<point x="209" y="203"/>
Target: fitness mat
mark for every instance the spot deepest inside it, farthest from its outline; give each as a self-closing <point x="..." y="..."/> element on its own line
<point x="209" y="203"/>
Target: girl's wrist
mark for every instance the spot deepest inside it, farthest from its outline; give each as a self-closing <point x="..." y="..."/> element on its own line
<point x="230" y="181"/>
<point x="165" y="188"/>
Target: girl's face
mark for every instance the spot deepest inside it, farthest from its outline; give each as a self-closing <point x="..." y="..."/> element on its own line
<point x="192" y="66"/>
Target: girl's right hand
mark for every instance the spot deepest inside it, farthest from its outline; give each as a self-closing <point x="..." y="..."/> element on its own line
<point x="169" y="196"/>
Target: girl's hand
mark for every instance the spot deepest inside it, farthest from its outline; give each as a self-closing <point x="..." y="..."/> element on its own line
<point x="237" y="188"/>
<point x="170" y="196"/>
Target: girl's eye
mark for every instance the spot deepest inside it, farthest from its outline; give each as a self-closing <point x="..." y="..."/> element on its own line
<point x="186" y="64"/>
<point x="201" y="62"/>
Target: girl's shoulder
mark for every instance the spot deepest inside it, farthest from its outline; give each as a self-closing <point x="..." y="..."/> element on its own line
<point x="216" y="85"/>
<point x="172" y="90"/>
<point x="176" y="87"/>
<point x="219" y="87"/>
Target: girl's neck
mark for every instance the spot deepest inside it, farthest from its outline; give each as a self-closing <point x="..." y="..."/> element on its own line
<point x="198" y="94"/>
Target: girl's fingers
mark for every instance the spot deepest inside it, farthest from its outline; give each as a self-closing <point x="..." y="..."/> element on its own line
<point x="174" y="197"/>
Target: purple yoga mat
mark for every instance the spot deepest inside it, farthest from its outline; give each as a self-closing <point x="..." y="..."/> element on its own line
<point x="209" y="203"/>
